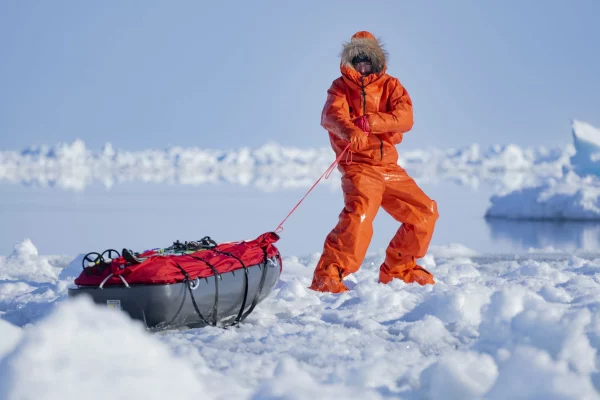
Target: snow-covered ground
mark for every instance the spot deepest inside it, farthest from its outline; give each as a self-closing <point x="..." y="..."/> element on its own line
<point x="493" y="327"/>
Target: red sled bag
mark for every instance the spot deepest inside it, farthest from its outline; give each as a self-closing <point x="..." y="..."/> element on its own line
<point x="157" y="268"/>
<point x="193" y="284"/>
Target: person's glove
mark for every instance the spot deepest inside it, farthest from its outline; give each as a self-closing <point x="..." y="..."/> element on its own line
<point x="359" y="141"/>
<point x="363" y="123"/>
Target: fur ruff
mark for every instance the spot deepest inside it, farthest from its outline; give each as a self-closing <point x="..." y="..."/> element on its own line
<point x="368" y="47"/>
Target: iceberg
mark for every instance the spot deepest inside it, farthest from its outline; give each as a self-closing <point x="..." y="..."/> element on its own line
<point x="575" y="195"/>
<point x="571" y="197"/>
<point x="586" y="139"/>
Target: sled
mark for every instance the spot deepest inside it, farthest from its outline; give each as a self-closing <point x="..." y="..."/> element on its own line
<point x="193" y="284"/>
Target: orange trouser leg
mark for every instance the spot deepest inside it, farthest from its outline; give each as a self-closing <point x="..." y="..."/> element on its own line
<point x="346" y="245"/>
<point x="409" y="205"/>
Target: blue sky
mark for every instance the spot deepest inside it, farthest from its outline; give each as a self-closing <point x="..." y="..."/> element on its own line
<point x="230" y="74"/>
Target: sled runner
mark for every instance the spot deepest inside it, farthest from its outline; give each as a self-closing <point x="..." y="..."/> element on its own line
<point x="191" y="284"/>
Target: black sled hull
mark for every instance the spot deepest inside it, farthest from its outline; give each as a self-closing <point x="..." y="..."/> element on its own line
<point x="221" y="300"/>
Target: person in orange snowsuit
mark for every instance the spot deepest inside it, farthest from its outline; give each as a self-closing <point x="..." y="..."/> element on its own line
<point x="371" y="110"/>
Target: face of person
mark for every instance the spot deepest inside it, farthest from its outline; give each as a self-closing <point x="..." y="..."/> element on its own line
<point x="364" y="67"/>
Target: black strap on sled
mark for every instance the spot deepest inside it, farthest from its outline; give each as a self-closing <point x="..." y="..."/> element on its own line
<point x="260" y="285"/>
<point x="241" y="315"/>
<point x="187" y="280"/>
<point x="239" y="318"/>
<point x="215" y="309"/>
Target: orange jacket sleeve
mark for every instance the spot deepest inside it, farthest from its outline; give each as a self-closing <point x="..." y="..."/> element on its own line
<point x="400" y="117"/>
<point x="336" y="114"/>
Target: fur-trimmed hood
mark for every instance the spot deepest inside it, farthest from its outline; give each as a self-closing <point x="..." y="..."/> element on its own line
<point x="364" y="43"/>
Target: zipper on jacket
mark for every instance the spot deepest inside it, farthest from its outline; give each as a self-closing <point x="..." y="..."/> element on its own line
<point x="364" y="95"/>
<point x="364" y="103"/>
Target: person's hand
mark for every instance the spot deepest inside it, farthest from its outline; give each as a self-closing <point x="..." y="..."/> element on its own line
<point x="363" y="123"/>
<point x="359" y="141"/>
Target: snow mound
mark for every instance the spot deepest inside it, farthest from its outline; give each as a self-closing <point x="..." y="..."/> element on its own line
<point x="460" y="375"/>
<point x="530" y="373"/>
<point x="31" y="283"/>
<point x="84" y="350"/>
<point x="24" y="263"/>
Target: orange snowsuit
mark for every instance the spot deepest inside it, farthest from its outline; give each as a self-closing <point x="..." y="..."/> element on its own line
<point x="371" y="176"/>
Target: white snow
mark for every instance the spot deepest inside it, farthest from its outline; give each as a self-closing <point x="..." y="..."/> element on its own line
<point x="29" y="283"/>
<point x="10" y="335"/>
<point x="451" y="250"/>
<point x="85" y="351"/>
<point x="517" y="327"/>
<point x="25" y="263"/>
<point x="460" y="375"/>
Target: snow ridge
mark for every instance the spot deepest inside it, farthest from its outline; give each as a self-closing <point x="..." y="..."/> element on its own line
<point x="72" y="166"/>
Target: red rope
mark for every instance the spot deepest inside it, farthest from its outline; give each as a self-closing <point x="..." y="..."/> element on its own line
<point x="326" y="174"/>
